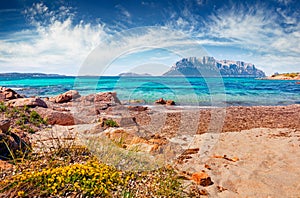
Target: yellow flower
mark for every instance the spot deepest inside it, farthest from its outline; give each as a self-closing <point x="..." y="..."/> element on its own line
<point x="21" y="193"/>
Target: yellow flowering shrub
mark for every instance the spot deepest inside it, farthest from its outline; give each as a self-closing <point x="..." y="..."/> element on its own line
<point x="91" y="178"/>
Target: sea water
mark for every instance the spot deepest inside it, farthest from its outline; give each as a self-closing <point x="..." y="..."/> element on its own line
<point x="192" y="91"/>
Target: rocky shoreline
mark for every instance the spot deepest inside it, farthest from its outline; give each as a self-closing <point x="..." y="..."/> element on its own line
<point x="219" y="150"/>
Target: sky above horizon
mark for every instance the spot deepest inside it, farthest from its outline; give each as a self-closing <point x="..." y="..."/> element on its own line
<point x="64" y="36"/>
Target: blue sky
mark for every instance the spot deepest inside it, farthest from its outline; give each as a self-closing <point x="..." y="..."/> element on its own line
<point x="60" y="36"/>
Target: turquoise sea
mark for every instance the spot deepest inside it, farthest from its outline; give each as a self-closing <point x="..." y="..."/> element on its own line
<point x="193" y="91"/>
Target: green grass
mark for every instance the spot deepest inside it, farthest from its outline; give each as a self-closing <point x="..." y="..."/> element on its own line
<point x="25" y="118"/>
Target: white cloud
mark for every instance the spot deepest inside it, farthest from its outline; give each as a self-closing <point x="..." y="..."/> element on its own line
<point x="56" y="46"/>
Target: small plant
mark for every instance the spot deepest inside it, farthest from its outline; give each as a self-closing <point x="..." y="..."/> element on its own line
<point x="3" y="107"/>
<point x="36" y="119"/>
<point x="110" y="123"/>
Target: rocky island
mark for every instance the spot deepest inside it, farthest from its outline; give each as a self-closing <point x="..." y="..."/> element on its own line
<point x="193" y="66"/>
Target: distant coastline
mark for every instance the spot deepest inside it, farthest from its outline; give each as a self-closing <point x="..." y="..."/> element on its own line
<point x="29" y="75"/>
<point x="284" y="76"/>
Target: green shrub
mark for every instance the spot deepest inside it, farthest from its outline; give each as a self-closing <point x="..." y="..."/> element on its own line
<point x="3" y="107"/>
<point x="36" y="119"/>
<point x="110" y="123"/>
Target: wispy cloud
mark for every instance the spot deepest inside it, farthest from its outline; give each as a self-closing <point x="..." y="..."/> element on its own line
<point x="123" y="11"/>
<point x="256" y="28"/>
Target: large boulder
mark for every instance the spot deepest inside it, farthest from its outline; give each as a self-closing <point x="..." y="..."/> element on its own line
<point x="100" y="101"/>
<point x="8" y="94"/>
<point x="66" y="97"/>
<point x="109" y="98"/>
<point x="53" y="117"/>
<point x="4" y="125"/>
<point x="30" y="102"/>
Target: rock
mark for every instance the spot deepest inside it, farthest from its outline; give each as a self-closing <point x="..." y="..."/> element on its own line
<point x="160" y="101"/>
<point x="137" y="108"/>
<point x="4" y="125"/>
<point x="126" y="121"/>
<point x="2" y="97"/>
<point x="136" y="101"/>
<point x="8" y="94"/>
<point x="129" y="141"/>
<point x="30" y="102"/>
<point x="57" y="117"/>
<point x="66" y="97"/>
<point x="100" y="101"/>
<point x="109" y="98"/>
<point x="201" y="178"/>
<point x="170" y="102"/>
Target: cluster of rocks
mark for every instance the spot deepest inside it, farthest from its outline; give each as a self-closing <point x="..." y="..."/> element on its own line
<point x="8" y="94"/>
<point x="164" y="102"/>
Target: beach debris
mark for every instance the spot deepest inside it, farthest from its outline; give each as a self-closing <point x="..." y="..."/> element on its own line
<point x="202" y="178"/>
<point x="65" y="97"/>
<point x="29" y="102"/>
<point x="195" y="191"/>
<point x="186" y="155"/>
<point x="8" y="94"/>
<point x="221" y="189"/>
<point x="234" y="159"/>
<point x="207" y="166"/>
<point x="190" y="151"/>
